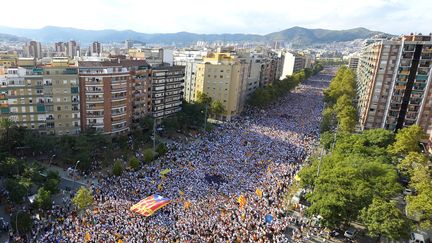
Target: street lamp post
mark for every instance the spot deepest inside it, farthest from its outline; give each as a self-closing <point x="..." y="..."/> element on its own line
<point x="16" y="220"/>
<point x="205" y="117"/>
<point x="74" y="172"/>
<point x="51" y="159"/>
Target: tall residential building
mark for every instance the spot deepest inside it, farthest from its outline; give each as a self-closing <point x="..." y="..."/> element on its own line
<point x="71" y="49"/>
<point x="45" y="99"/>
<point x="154" y="56"/>
<point x="269" y="70"/>
<point x="253" y="68"/>
<point x="106" y="97"/>
<point x="189" y="59"/>
<point x="353" y="61"/>
<point x="33" y="49"/>
<point x="59" y="47"/>
<point x="222" y="76"/>
<point x="394" y="77"/>
<point x="290" y="63"/>
<point x="141" y="79"/>
<point x="128" y="44"/>
<point x="167" y="90"/>
<point x="96" y="48"/>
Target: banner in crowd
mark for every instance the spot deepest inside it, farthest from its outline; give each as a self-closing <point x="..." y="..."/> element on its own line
<point x="148" y="206"/>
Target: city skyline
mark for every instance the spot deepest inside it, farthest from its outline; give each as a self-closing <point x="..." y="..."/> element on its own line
<point x="251" y="17"/>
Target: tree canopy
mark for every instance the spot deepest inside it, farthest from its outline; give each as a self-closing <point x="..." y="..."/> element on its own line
<point x="384" y="218"/>
<point x="357" y="171"/>
<point x="339" y="97"/>
<point x="83" y="198"/>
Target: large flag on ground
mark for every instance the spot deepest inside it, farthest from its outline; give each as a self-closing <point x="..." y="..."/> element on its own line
<point x="150" y="205"/>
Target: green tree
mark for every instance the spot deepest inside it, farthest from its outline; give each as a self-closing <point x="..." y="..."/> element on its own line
<point x="11" y="167"/>
<point x="327" y="139"/>
<point x="161" y="149"/>
<point x="347" y="119"/>
<point x="148" y="155"/>
<point x="378" y="137"/>
<point x="134" y="163"/>
<point x="52" y="182"/>
<point x="203" y="98"/>
<point x="83" y="198"/>
<point x="16" y="191"/>
<point x="412" y="161"/>
<point x="43" y="199"/>
<point x="383" y="218"/>
<point x="6" y="126"/>
<point x="24" y="222"/>
<point x="419" y="206"/>
<point x="407" y="140"/>
<point x="328" y="122"/>
<point x="217" y="108"/>
<point x="117" y="169"/>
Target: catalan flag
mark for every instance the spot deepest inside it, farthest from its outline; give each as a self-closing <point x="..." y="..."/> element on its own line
<point x="148" y="206"/>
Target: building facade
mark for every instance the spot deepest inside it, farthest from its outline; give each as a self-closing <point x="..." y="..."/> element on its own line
<point x="167" y="90"/>
<point x="394" y="77"/>
<point x="106" y="97"/>
<point x="290" y="63"/>
<point x="45" y="99"/>
<point x="222" y="76"/>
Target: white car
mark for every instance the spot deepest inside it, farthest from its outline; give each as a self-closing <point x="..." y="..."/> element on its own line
<point x="350" y="233"/>
<point x="71" y="171"/>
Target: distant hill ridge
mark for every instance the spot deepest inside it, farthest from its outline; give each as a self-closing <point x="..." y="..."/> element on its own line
<point x="293" y="35"/>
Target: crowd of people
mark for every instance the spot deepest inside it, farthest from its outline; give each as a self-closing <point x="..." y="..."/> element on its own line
<point x="259" y="151"/>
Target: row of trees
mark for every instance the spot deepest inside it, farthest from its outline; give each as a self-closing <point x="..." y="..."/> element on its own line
<point x="21" y="178"/>
<point x="339" y="98"/>
<point x="416" y="166"/>
<point x="360" y="175"/>
<point x="266" y="95"/>
<point x="358" y="180"/>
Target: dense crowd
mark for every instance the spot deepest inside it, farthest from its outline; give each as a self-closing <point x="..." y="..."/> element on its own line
<point x="262" y="149"/>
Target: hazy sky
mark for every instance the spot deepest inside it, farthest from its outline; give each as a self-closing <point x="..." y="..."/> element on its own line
<point x="227" y="16"/>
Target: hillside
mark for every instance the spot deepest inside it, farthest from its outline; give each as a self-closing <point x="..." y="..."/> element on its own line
<point x="293" y="35"/>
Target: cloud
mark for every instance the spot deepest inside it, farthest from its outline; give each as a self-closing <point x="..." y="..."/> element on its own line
<point x="227" y="16"/>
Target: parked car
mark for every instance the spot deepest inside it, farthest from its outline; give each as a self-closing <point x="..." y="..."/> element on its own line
<point x="71" y="171"/>
<point x="350" y="233"/>
<point x="419" y="237"/>
<point x="408" y="191"/>
<point x="334" y="233"/>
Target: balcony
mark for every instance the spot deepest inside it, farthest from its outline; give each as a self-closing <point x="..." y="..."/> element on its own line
<point x="94" y="100"/>
<point x="118" y="98"/>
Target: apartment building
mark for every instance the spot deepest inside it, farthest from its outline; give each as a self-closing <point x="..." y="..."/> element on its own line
<point x="222" y="76"/>
<point x="189" y="59"/>
<point x="106" y="97"/>
<point x="72" y="49"/>
<point x="290" y="63"/>
<point x="8" y="60"/>
<point x="42" y="98"/>
<point x="167" y="90"/>
<point x="33" y="49"/>
<point x="393" y="79"/>
<point x="153" y="56"/>
<point x="254" y="64"/>
<point x="141" y="79"/>
<point x="96" y="48"/>
<point x="353" y="61"/>
<point x="269" y="71"/>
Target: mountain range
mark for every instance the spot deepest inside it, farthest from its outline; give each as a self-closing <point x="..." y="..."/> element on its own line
<point x="295" y="35"/>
